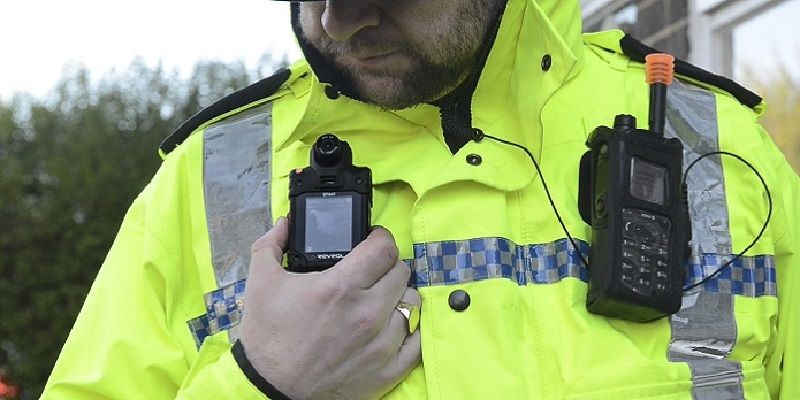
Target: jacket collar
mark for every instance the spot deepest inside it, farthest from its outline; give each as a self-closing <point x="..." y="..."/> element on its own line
<point x="516" y="82"/>
<point x="512" y="89"/>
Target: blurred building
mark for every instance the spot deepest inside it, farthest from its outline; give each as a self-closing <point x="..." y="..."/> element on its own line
<point x="700" y="31"/>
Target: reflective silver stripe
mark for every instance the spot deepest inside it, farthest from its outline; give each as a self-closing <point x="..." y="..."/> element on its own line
<point x="703" y="335"/>
<point x="236" y="179"/>
<point x="692" y="117"/>
<point x="704" y="330"/>
<point x="717" y="380"/>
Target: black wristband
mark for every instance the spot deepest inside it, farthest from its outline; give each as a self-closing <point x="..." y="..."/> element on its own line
<point x="253" y="376"/>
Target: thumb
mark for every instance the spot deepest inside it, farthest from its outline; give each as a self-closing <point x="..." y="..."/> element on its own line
<point x="267" y="251"/>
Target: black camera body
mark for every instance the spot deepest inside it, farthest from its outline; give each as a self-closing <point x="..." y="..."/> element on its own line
<point x="632" y="195"/>
<point x="330" y="206"/>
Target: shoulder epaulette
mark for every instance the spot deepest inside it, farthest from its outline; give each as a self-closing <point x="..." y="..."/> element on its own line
<point x="637" y="51"/>
<point x="240" y="98"/>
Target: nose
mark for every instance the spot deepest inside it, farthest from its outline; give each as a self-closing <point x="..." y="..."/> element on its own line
<point x="343" y="18"/>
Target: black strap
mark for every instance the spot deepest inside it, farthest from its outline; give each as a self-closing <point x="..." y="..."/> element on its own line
<point x="257" y="91"/>
<point x="637" y="51"/>
<point x="253" y="376"/>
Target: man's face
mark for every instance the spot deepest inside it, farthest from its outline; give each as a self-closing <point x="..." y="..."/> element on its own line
<point x="399" y="53"/>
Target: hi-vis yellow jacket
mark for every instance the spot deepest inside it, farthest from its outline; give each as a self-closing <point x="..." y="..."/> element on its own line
<point x="162" y="313"/>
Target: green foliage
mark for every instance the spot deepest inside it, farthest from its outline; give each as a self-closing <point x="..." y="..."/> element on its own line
<point x="781" y="91"/>
<point x="70" y="165"/>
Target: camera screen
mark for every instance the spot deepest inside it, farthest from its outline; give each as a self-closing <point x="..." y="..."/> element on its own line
<point x="648" y="181"/>
<point x="329" y="223"/>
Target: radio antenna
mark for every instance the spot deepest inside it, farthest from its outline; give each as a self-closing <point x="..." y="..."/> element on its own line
<point x="659" y="68"/>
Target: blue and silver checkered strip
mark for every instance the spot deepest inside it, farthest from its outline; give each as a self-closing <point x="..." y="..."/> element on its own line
<point x="223" y="311"/>
<point x="462" y="261"/>
<point x="752" y="276"/>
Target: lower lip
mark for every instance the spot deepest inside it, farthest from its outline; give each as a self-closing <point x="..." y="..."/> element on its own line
<point x="375" y="61"/>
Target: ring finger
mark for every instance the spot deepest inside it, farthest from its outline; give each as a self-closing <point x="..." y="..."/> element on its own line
<point x="398" y="327"/>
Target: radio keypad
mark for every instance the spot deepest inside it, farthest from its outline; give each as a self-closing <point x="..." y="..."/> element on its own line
<point x="645" y="252"/>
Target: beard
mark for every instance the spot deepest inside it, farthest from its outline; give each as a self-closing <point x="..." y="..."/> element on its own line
<point x="420" y="79"/>
<point x="425" y="71"/>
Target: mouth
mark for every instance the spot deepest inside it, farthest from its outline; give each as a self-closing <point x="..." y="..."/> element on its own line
<point x="374" y="60"/>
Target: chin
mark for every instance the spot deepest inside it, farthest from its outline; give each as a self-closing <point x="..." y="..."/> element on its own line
<point x="392" y="91"/>
<point x="388" y="93"/>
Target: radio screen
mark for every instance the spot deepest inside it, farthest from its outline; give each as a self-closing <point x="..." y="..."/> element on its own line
<point x="648" y="181"/>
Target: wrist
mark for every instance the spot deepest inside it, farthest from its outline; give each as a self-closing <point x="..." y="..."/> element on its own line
<point x="253" y="375"/>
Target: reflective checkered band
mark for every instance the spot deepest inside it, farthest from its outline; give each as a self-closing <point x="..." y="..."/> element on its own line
<point x="462" y="261"/>
<point x="223" y="311"/>
<point x="753" y="276"/>
<point x="199" y="328"/>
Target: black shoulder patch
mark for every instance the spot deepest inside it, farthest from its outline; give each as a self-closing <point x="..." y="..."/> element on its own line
<point x="637" y="51"/>
<point x="254" y="92"/>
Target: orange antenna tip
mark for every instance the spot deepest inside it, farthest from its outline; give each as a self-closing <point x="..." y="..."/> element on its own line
<point x="659" y="68"/>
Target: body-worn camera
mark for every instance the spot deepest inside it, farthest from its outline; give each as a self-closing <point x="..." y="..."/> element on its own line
<point x="632" y="195"/>
<point x="330" y="204"/>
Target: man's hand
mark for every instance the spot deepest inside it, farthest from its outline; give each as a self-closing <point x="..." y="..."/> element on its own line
<point x="330" y="335"/>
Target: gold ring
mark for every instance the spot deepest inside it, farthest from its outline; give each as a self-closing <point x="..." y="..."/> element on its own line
<point x="411" y="312"/>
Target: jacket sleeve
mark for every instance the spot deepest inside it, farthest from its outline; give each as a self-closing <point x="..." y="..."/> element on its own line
<point x="216" y="375"/>
<point x="131" y="339"/>
<point x="783" y="367"/>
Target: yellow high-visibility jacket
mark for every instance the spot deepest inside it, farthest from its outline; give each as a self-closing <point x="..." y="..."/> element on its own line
<point x="162" y="314"/>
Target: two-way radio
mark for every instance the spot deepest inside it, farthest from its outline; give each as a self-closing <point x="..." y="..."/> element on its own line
<point x="631" y="193"/>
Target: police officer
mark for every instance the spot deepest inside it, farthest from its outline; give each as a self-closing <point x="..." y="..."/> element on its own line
<point x="184" y="307"/>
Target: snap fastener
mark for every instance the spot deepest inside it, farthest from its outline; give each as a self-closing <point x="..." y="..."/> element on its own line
<point x="474" y="159"/>
<point x="547" y="62"/>
<point x="331" y="92"/>
<point x="459" y="300"/>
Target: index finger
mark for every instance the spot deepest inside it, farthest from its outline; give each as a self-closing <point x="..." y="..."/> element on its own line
<point x="369" y="261"/>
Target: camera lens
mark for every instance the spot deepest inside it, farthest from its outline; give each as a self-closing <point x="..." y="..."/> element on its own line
<point x="328" y="145"/>
<point x="328" y="150"/>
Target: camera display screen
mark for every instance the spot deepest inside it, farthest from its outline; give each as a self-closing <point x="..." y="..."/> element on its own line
<point x="329" y="223"/>
<point x="648" y="181"/>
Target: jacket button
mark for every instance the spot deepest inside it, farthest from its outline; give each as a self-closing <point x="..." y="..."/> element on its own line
<point x="474" y="159"/>
<point x="331" y="92"/>
<point x="547" y="62"/>
<point x="459" y="300"/>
